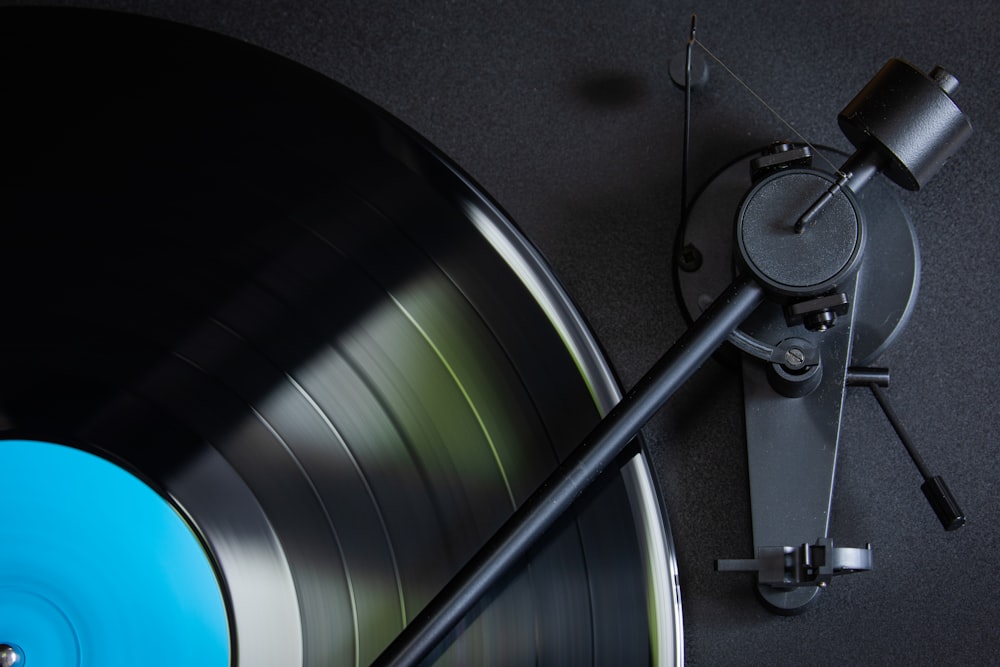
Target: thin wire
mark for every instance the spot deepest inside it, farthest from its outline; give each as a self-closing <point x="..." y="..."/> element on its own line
<point x="687" y="120"/>
<point x="767" y="106"/>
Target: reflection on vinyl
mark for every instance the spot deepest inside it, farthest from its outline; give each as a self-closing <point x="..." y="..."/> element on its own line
<point x="315" y="339"/>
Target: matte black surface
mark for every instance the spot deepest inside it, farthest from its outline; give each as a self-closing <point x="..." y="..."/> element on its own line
<point x="792" y="447"/>
<point x="806" y="264"/>
<point x="566" y="114"/>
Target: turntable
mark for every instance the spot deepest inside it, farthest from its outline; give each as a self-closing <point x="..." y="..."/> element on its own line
<point x="335" y="367"/>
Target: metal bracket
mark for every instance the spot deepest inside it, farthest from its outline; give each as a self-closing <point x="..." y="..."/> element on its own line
<point x="805" y="565"/>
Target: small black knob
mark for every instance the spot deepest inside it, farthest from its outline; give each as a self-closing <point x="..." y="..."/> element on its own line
<point x="944" y="504"/>
<point x="778" y="156"/>
<point x="945" y="79"/>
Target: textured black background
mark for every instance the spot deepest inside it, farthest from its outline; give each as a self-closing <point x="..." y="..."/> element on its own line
<point x="564" y="112"/>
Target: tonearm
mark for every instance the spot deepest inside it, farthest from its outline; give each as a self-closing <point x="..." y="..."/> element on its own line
<point x="807" y="257"/>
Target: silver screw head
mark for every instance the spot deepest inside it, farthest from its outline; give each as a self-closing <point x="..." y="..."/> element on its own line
<point x="11" y="655"/>
<point x="794" y="358"/>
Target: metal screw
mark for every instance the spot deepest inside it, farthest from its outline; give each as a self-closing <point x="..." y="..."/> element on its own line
<point x="10" y="655"/>
<point x="794" y="357"/>
<point x="690" y="259"/>
<point x="820" y="320"/>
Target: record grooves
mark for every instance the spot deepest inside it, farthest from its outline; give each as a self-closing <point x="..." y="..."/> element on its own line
<point x="327" y="349"/>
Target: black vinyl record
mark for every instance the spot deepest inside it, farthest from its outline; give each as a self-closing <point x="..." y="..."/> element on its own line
<point x="311" y="334"/>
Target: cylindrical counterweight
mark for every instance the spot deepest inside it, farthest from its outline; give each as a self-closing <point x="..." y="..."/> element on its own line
<point x="908" y="120"/>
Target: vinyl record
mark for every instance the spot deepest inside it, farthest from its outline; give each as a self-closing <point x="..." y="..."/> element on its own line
<point x="333" y="359"/>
